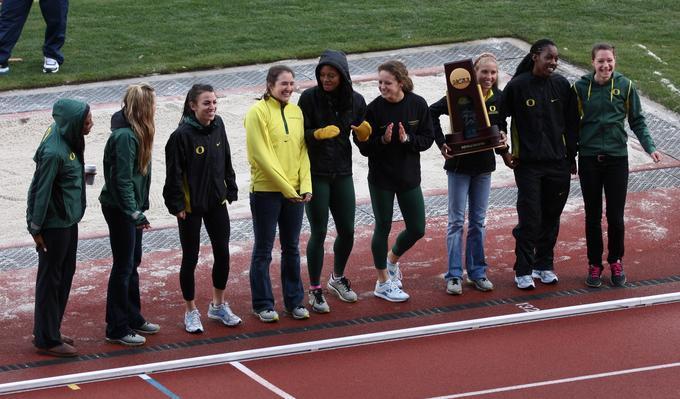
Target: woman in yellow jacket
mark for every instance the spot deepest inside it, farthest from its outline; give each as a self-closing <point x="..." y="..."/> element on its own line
<point x="280" y="185"/>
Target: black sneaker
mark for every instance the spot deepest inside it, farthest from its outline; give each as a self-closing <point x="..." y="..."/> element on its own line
<point x="594" y="278"/>
<point x="618" y="276"/>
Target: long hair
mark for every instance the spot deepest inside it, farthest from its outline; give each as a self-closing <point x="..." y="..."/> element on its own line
<point x="486" y="57"/>
<point x="139" y="106"/>
<point x="602" y="46"/>
<point x="193" y="94"/>
<point x="527" y="63"/>
<point x="398" y="69"/>
<point x="273" y="75"/>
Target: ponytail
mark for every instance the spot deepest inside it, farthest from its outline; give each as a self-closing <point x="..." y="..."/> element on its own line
<point x="527" y="63"/>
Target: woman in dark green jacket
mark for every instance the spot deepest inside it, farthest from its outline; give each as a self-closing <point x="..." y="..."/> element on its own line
<point x="606" y="98"/>
<point x="56" y="203"/>
<point x="124" y="198"/>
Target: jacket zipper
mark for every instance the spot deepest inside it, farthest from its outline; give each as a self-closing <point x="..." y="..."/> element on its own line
<point x="283" y="116"/>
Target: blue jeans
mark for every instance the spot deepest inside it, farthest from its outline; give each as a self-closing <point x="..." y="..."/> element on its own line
<point x="475" y="189"/>
<point x="270" y="209"/>
<point x="12" y="20"/>
<point x="123" y="304"/>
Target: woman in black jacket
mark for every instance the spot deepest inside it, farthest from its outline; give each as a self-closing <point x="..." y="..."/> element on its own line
<point x="543" y="135"/>
<point x="331" y="110"/>
<point x="403" y="129"/>
<point x="199" y="182"/>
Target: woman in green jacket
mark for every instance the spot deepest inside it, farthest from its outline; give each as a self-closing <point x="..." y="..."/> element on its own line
<point x="56" y="203"/>
<point x="606" y="98"/>
<point x="124" y="198"/>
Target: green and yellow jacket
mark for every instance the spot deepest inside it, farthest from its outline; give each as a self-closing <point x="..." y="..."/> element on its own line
<point x="125" y="187"/>
<point x="603" y="109"/>
<point x="56" y="196"/>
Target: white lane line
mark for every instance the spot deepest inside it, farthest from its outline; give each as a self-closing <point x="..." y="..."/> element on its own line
<point x="560" y="381"/>
<point x="250" y="373"/>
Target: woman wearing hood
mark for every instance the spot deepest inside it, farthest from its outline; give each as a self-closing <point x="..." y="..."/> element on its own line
<point x="606" y="98"/>
<point x="56" y="203"/>
<point x="332" y="112"/>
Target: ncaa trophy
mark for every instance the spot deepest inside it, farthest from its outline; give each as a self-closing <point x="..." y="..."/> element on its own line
<point x="471" y="130"/>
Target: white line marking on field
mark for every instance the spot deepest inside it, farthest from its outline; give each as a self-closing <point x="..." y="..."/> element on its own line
<point x="560" y="381"/>
<point x="250" y="373"/>
<point x="670" y="86"/>
<point x="649" y="53"/>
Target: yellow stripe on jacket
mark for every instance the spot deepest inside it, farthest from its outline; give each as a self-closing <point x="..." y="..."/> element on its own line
<point x="277" y="152"/>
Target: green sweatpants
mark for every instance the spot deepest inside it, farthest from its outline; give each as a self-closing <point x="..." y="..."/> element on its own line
<point x="412" y="206"/>
<point x="337" y="194"/>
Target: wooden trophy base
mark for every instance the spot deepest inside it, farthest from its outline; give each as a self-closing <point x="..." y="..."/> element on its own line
<point x="487" y="138"/>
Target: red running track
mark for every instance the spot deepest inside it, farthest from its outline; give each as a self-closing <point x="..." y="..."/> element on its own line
<point x="559" y="358"/>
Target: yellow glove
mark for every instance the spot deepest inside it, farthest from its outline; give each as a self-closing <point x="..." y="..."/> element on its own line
<point x="363" y="131"/>
<point x="327" y="132"/>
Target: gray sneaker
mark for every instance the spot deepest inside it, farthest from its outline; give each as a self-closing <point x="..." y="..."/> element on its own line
<point x="318" y="302"/>
<point x="147" y="328"/>
<point x="223" y="313"/>
<point x="267" y="315"/>
<point x="132" y="339"/>
<point x="454" y="286"/>
<point x="299" y="313"/>
<point x="342" y="288"/>
<point x="50" y="65"/>
<point x="481" y="284"/>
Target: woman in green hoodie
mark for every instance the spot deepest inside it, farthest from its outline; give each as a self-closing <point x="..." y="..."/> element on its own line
<point x="124" y="198"/>
<point x="607" y="98"/>
<point x="56" y="203"/>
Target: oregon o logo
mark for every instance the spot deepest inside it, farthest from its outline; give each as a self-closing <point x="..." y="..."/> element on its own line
<point x="71" y="156"/>
<point x="460" y="78"/>
<point x="616" y="92"/>
<point x="492" y="108"/>
<point x="200" y="150"/>
<point x="531" y="102"/>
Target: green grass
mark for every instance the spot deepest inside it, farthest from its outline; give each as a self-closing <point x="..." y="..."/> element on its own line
<point x="109" y="39"/>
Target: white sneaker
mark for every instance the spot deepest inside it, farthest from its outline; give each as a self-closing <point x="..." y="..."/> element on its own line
<point x="50" y="65"/>
<point x="4" y="69"/>
<point x="525" y="282"/>
<point x="192" y="322"/>
<point x="546" y="276"/>
<point x="394" y="273"/>
<point x="389" y="291"/>
<point x="454" y="286"/>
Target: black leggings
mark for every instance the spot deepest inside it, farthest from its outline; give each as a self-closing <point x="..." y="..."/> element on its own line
<point x="217" y="225"/>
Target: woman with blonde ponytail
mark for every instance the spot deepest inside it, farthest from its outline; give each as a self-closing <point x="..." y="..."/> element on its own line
<point x="124" y="198"/>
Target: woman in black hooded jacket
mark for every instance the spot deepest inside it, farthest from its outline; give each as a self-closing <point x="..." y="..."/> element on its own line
<point x="332" y="111"/>
<point x="199" y="182"/>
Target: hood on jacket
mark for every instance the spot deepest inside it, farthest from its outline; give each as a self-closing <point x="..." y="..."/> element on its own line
<point x="118" y="120"/>
<point x="338" y="60"/>
<point x="69" y="118"/>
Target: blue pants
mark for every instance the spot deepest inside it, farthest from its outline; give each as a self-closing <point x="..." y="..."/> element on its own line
<point x="13" y="17"/>
<point x="270" y="209"/>
<point x="123" y="305"/>
<point x="464" y="189"/>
